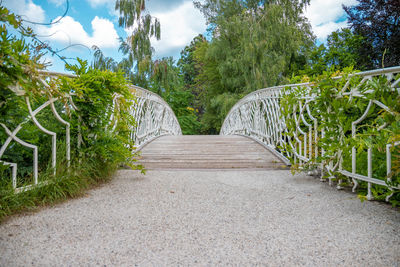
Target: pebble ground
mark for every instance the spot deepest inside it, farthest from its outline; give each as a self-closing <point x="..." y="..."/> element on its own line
<point x="206" y="218"/>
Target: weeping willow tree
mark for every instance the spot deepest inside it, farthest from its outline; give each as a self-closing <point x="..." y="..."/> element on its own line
<point x="137" y="63"/>
<point x="160" y="76"/>
<point x="254" y="43"/>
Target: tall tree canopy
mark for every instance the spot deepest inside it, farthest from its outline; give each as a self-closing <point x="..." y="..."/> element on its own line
<point x="137" y="46"/>
<point x="190" y="70"/>
<point x="137" y="65"/>
<point x="253" y="45"/>
<point x="378" y="21"/>
<point x="254" y="41"/>
<point x="341" y="50"/>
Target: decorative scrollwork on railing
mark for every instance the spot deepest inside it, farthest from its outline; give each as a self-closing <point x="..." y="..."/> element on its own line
<point x="259" y="116"/>
<point x="153" y="116"/>
<point x="31" y="117"/>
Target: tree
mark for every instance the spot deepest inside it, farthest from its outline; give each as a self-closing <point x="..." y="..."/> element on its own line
<point x="136" y="47"/>
<point x="343" y="47"/>
<point x="164" y="76"/>
<point x="341" y="51"/>
<point x="253" y="45"/>
<point x="160" y="76"/>
<point x="255" y="40"/>
<point x="20" y="61"/>
<point x="189" y="72"/>
<point x="378" y="21"/>
<point x="186" y="62"/>
<point x="215" y="98"/>
<point x="179" y="100"/>
<point x="166" y="81"/>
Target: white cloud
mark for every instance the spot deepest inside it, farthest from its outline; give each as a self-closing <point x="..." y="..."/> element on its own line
<point x="324" y="30"/>
<point x="324" y="16"/>
<point x="26" y="9"/>
<point x="57" y="3"/>
<point x="178" y="27"/>
<point x="69" y="31"/>
<point x="104" y="33"/>
<point x="96" y="3"/>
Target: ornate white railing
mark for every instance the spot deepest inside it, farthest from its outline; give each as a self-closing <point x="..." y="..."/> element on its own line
<point x="31" y="116"/>
<point x="152" y="114"/>
<point x="154" y="117"/>
<point x="259" y="116"/>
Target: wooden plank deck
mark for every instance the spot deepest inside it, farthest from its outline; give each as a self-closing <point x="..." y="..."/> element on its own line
<point x="207" y="152"/>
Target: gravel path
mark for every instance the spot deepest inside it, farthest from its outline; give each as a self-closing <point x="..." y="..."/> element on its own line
<point x="206" y="218"/>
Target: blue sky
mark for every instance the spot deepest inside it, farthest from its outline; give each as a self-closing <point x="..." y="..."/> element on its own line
<point x="94" y="22"/>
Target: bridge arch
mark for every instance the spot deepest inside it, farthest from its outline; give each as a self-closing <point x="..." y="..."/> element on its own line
<point x="298" y="136"/>
<point x="153" y="116"/>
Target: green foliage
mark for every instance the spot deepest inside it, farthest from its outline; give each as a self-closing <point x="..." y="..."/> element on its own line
<point x="254" y="41"/>
<point x="189" y="70"/>
<point x="66" y="184"/>
<point x="336" y="111"/>
<point x="18" y="65"/>
<point x="166" y="81"/>
<point x="377" y="21"/>
<point x="209" y="82"/>
<point x="341" y="51"/>
<point x="254" y="45"/>
<point x="100" y="96"/>
<point x="342" y="48"/>
<point x="137" y="63"/>
<point x="137" y="46"/>
<point x="217" y="109"/>
<point x="103" y="101"/>
<point x="100" y="127"/>
<point x="164" y="76"/>
<point x="187" y="62"/>
<point x="179" y="101"/>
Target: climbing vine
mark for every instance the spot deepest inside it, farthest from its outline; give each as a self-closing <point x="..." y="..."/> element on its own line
<point x="100" y="122"/>
<point x="337" y="100"/>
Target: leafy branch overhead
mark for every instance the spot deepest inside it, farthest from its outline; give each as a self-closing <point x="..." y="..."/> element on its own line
<point x="96" y="149"/>
<point x="137" y="46"/>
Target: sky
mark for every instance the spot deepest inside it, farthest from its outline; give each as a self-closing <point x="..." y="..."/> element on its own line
<point x="95" y="22"/>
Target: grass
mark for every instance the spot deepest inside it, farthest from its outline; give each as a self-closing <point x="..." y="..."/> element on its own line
<point x="66" y="184"/>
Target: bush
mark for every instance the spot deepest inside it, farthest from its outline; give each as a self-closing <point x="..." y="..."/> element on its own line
<point x="96" y="104"/>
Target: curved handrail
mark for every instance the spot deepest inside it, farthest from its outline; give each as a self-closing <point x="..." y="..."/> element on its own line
<point x="154" y="117"/>
<point x="258" y="115"/>
<point x="152" y="114"/>
<point x="31" y="116"/>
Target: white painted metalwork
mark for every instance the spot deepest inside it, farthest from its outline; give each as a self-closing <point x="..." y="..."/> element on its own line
<point x="154" y="117"/>
<point x="152" y="114"/>
<point x="259" y="116"/>
<point x="12" y="135"/>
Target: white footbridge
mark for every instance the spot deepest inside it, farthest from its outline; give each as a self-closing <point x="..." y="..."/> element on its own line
<point x="260" y="138"/>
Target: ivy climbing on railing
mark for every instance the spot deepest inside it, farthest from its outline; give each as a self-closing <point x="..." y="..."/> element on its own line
<point x="348" y="126"/>
<point x="344" y="126"/>
<point x="58" y="135"/>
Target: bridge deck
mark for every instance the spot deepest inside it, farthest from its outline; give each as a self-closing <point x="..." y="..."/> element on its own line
<point x="207" y="152"/>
